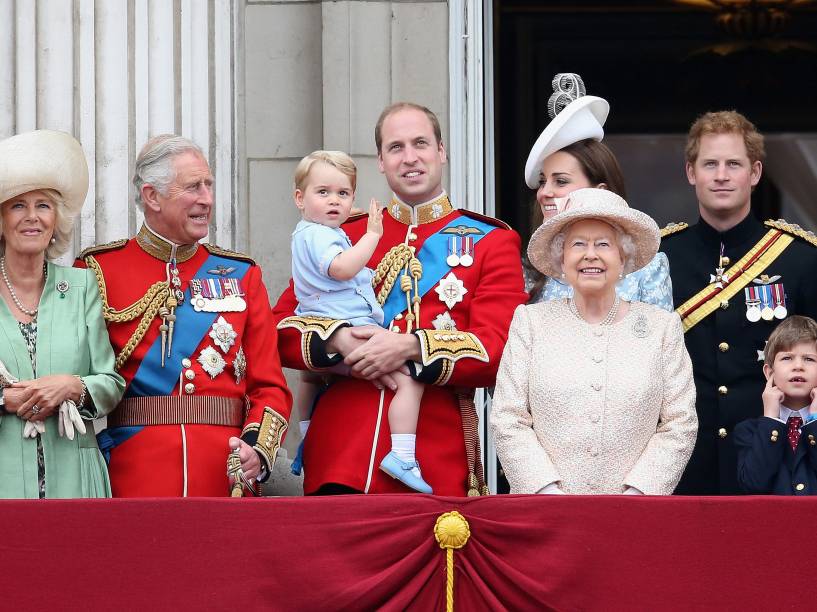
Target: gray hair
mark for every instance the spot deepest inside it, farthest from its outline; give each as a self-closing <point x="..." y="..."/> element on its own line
<point x="154" y="166"/>
<point x="625" y="245"/>
<point x="63" y="226"/>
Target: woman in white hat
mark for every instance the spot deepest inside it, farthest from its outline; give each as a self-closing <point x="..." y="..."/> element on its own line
<point x="569" y="155"/>
<point x="594" y="393"/>
<point x="57" y="369"/>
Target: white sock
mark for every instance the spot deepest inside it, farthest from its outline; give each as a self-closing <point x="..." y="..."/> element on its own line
<point x="403" y="446"/>
<point x="303" y="426"/>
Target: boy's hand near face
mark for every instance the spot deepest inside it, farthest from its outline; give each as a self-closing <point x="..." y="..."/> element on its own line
<point x="812" y="409"/>
<point x="773" y="397"/>
<point x="375" y="223"/>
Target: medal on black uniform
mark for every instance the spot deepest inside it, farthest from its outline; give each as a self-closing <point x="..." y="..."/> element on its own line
<point x="779" y="293"/>
<point x="752" y="304"/>
<point x="766" y="310"/>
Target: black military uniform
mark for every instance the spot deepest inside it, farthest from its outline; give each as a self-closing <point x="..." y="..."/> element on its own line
<point x="726" y="347"/>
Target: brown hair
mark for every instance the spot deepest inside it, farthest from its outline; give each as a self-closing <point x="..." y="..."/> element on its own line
<point x="398" y="106"/>
<point x="725" y="122"/>
<point x="793" y="330"/>
<point x="337" y="159"/>
<point x="599" y="165"/>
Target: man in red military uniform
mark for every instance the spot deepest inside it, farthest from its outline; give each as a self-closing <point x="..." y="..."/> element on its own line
<point x="191" y="328"/>
<point x="449" y="281"/>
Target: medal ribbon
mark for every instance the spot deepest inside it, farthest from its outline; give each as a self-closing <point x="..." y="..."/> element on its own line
<point x="432" y="255"/>
<point x="759" y="257"/>
<point x="191" y="327"/>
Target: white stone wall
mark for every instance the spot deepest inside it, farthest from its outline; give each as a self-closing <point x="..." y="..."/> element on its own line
<point x="114" y="73"/>
<point x="316" y="76"/>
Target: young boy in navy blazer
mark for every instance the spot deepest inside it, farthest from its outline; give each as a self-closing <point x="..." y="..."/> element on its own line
<point x="777" y="453"/>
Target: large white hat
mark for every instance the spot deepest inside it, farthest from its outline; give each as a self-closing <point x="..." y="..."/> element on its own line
<point x="603" y="205"/>
<point x="44" y="159"/>
<point x="575" y="117"/>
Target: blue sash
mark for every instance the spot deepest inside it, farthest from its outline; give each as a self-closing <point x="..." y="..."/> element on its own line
<point x="191" y="327"/>
<point x="432" y="255"/>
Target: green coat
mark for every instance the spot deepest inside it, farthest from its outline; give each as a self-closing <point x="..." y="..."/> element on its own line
<point x="71" y="339"/>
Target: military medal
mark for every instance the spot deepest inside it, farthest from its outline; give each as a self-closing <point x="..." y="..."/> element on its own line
<point x="752" y="304"/>
<point x="223" y="334"/>
<point x="211" y="361"/>
<point x="217" y="295"/>
<point x="779" y="292"/>
<point x="451" y="289"/>
<point x="453" y="259"/>
<point x="240" y="365"/>
<point x="720" y="278"/>
<point x="766" y="310"/>
<point x="467" y="258"/>
<point x="444" y="322"/>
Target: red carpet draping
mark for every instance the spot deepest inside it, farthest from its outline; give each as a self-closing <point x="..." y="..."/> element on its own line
<point x="379" y="552"/>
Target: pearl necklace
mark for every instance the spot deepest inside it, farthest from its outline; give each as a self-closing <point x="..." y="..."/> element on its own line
<point x="608" y="320"/>
<point x="30" y="313"/>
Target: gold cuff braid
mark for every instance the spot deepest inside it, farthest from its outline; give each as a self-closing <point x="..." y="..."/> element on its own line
<point x="322" y="326"/>
<point x="270" y="433"/>
<point x="450" y="345"/>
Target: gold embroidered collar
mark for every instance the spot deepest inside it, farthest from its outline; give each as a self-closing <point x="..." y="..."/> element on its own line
<point x="162" y="248"/>
<point x="428" y="212"/>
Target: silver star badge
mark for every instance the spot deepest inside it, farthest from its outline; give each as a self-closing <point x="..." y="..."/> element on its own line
<point x="223" y="334"/>
<point x="444" y="322"/>
<point x="451" y="289"/>
<point x="211" y="361"/>
<point x="240" y="365"/>
<point x="436" y="211"/>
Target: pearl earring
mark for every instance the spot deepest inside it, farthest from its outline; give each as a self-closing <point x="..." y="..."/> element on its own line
<point x="620" y="275"/>
<point x="563" y="275"/>
<point x="53" y="240"/>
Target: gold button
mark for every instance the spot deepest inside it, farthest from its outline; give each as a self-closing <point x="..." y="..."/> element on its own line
<point x="812" y="442"/>
<point x="810" y="437"/>
<point x="723" y="390"/>
<point x="723" y="347"/>
<point x="724" y="304"/>
<point x="189" y="374"/>
<point x="725" y="261"/>
<point x="398" y="316"/>
<point x="395" y="328"/>
<point x="186" y="363"/>
<point x="800" y="486"/>
<point x="189" y="388"/>
<point x="412" y="236"/>
<point x="774" y="435"/>
<point x="722" y="432"/>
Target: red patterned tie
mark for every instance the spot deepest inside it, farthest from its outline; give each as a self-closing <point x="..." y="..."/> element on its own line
<point x="794" y="430"/>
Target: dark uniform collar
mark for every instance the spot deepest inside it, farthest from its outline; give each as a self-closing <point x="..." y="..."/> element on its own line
<point x="427" y="212"/>
<point x="745" y="231"/>
<point x="161" y="248"/>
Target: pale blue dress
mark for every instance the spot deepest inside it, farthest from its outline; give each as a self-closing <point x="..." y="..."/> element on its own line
<point x="651" y="285"/>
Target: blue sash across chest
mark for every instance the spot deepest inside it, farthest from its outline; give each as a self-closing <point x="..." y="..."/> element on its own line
<point x="432" y="255"/>
<point x="191" y="327"/>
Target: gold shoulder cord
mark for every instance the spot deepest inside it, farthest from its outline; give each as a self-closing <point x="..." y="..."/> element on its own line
<point x="401" y="258"/>
<point x="147" y="306"/>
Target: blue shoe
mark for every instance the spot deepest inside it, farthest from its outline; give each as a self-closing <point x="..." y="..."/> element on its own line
<point x="402" y="471"/>
<point x="298" y="463"/>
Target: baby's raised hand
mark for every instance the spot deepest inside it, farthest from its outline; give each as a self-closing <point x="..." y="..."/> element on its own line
<point x="375" y="222"/>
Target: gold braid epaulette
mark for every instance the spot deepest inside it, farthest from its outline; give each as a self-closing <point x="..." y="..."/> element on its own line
<point x="147" y="306"/>
<point x="673" y="228"/>
<point x="793" y="229"/>
<point x="102" y="248"/>
<point x="217" y="250"/>
<point x="388" y="269"/>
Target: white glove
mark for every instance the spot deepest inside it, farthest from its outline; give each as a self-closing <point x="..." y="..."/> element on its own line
<point x="70" y="419"/>
<point x="32" y="428"/>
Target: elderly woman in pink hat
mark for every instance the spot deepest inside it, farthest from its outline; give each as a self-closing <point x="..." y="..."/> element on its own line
<point x="594" y="393"/>
<point x="56" y="362"/>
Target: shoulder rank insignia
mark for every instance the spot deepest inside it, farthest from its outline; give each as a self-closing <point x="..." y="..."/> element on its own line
<point x="217" y="250"/>
<point x="102" y="248"/>
<point x="673" y="228"/>
<point x="793" y="229"/>
<point x="462" y="230"/>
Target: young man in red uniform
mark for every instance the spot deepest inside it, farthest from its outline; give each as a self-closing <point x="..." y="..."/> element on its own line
<point x="191" y="328"/>
<point x="449" y="281"/>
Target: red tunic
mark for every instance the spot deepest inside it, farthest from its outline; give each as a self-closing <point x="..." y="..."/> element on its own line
<point x="349" y="433"/>
<point x="191" y="459"/>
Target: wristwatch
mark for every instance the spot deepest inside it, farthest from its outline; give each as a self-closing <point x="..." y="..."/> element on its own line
<point x="2" y="402"/>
